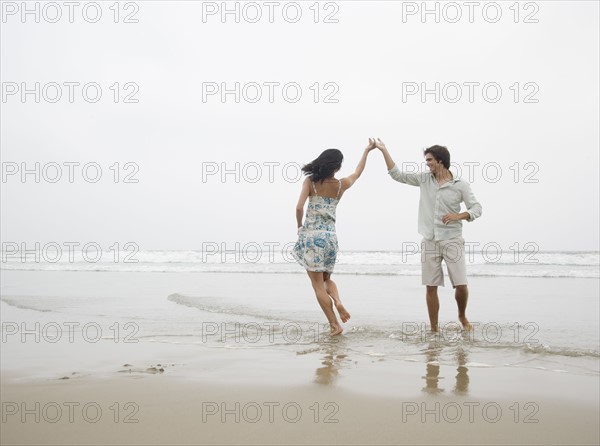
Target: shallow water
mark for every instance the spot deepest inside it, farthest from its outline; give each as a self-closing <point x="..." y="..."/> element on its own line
<point x="547" y="324"/>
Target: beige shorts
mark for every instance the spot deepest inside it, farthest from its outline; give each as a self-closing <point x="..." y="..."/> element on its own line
<point x="452" y="251"/>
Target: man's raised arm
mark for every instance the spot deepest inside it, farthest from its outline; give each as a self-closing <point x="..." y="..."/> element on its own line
<point x="389" y="162"/>
<point x="414" y="179"/>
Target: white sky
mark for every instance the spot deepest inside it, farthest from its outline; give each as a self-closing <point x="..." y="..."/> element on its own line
<point x="368" y="54"/>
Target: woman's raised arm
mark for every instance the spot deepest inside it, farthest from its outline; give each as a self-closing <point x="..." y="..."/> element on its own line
<point x="351" y="179"/>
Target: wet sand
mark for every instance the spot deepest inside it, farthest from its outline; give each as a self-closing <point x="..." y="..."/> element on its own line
<point x="108" y="392"/>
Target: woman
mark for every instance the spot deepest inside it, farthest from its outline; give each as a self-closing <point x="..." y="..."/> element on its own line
<point x="317" y="244"/>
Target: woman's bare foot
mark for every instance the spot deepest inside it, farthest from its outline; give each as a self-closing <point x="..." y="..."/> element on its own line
<point x="335" y="330"/>
<point x="344" y="315"/>
<point x="465" y="323"/>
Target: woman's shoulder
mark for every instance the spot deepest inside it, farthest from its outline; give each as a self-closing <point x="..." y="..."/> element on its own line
<point x="307" y="181"/>
<point x="345" y="183"/>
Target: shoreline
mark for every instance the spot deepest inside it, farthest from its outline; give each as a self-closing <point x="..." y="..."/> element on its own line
<point x="380" y="389"/>
<point x="414" y="274"/>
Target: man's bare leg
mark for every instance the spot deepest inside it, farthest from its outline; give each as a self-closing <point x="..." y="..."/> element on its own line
<point x="332" y="290"/>
<point x="433" y="306"/>
<point x="324" y="300"/>
<point x="461" y="294"/>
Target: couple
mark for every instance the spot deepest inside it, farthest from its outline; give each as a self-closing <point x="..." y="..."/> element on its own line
<point x="439" y="224"/>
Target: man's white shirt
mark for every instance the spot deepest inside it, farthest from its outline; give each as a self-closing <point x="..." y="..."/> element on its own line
<point x="437" y="201"/>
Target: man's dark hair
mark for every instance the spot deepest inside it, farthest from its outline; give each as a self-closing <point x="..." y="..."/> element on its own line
<point x="440" y="153"/>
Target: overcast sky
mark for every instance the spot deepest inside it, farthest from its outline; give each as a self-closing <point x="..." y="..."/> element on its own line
<point x="531" y="154"/>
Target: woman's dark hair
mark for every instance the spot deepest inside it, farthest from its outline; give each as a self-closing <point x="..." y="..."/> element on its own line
<point x="325" y="165"/>
<point x="440" y="153"/>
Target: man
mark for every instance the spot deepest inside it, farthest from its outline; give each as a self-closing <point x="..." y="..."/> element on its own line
<point x="440" y="224"/>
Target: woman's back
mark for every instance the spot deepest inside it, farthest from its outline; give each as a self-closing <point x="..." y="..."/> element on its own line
<point x="322" y="203"/>
<point x="329" y="188"/>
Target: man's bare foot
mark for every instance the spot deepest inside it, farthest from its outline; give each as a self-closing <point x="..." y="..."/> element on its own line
<point x="335" y="330"/>
<point x="344" y="315"/>
<point x="465" y="323"/>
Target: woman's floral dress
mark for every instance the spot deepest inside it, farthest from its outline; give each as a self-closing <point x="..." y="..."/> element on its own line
<point x="317" y="245"/>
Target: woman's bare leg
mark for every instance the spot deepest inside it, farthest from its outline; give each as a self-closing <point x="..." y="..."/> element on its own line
<point x="332" y="290"/>
<point x="324" y="300"/>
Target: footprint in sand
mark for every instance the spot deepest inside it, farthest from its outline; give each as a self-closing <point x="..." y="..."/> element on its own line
<point x="152" y="369"/>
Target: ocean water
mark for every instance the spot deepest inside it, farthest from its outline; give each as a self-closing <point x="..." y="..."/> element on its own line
<point x="542" y="316"/>
<point x="254" y="258"/>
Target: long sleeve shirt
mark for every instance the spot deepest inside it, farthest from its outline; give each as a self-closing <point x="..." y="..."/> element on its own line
<point x="437" y="201"/>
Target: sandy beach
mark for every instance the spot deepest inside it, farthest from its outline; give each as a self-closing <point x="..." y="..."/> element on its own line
<point x="167" y="410"/>
<point x="140" y="386"/>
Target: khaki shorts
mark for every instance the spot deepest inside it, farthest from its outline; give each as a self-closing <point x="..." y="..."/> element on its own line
<point x="452" y="251"/>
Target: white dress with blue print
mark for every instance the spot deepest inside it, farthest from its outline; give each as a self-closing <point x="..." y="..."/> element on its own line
<point x="317" y="245"/>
